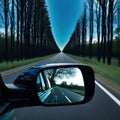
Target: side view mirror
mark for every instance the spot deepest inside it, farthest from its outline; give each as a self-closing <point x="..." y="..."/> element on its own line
<point x="52" y="85"/>
<point x="65" y="86"/>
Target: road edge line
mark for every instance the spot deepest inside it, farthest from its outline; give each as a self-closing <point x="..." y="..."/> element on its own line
<point x="116" y="100"/>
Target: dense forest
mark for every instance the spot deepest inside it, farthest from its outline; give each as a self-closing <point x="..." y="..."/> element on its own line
<point x="27" y="32"/>
<point x="97" y="33"/>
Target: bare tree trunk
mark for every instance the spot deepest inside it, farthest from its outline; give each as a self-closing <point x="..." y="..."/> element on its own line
<point x="110" y="32"/>
<point x="17" y="50"/>
<point x="91" y="17"/>
<point x="6" y="8"/>
<point x="98" y="13"/>
<point x="103" y="4"/>
<point x="12" y="32"/>
<point x="22" y="9"/>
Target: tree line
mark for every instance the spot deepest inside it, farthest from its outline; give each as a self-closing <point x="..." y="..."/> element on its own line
<point x="95" y="34"/>
<point x="27" y="31"/>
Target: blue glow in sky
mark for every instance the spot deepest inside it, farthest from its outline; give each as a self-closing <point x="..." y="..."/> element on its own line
<point x="64" y="15"/>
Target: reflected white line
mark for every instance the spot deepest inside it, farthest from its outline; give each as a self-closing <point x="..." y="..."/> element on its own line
<point x="108" y="93"/>
<point x="68" y="99"/>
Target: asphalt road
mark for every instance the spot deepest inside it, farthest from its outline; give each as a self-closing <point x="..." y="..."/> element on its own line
<point x="69" y="95"/>
<point x="101" y="107"/>
<point x="61" y="95"/>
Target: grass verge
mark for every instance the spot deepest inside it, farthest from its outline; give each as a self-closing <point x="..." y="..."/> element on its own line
<point x="80" y="92"/>
<point x="12" y="66"/>
<point x="109" y="75"/>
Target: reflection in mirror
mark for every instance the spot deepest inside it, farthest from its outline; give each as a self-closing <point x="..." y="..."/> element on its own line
<point x="61" y="86"/>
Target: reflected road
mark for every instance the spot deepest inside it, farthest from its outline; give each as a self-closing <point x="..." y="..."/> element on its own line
<point x="61" y="95"/>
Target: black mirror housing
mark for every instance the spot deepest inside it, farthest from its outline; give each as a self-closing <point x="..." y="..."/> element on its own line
<point x="23" y="91"/>
<point x="88" y="76"/>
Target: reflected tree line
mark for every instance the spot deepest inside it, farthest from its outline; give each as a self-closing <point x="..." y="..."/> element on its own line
<point x="27" y="30"/>
<point x="95" y="34"/>
<point x="60" y="73"/>
<point x="71" y="86"/>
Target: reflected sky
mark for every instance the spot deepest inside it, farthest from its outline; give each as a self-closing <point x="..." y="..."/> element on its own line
<point x="64" y="15"/>
<point x="75" y="79"/>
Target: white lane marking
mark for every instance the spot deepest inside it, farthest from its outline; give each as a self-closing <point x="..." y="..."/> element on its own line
<point x="68" y="99"/>
<point x="108" y="93"/>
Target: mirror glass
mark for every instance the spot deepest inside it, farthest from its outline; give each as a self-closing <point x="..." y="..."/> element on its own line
<point x="60" y="86"/>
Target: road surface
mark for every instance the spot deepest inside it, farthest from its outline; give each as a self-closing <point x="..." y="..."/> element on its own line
<point x="101" y="107"/>
<point x="59" y="95"/>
